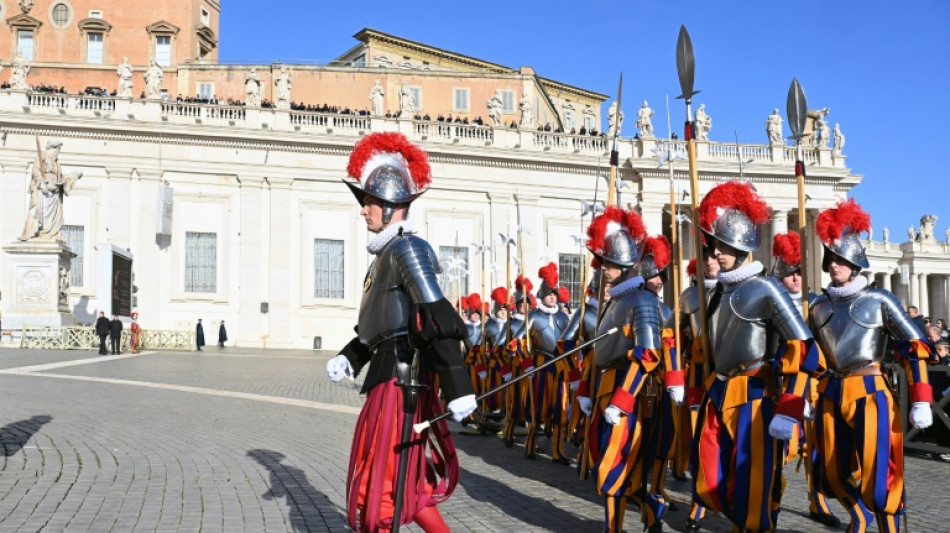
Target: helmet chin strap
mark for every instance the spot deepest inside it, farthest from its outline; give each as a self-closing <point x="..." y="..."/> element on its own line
<point x="389" y="209"/>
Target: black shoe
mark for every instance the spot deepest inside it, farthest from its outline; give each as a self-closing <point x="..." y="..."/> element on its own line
<point x="561" y="461"/>
<point x="693" y="525"/>
<point x="509" y="443"/>
<point x="672" y="507"/>
<point x="531" y="455"/>
<point x="656" y="528"/>
<point x="679" y="477"/>
<point x="829" y="520"/>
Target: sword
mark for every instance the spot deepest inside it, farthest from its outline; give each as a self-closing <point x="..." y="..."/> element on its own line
<point x="407" y="379"/>
<point x="797" y="109"/>
<point x="422" y="426"/>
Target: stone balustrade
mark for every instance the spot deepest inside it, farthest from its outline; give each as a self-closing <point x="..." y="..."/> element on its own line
<point x="116" y="108"/>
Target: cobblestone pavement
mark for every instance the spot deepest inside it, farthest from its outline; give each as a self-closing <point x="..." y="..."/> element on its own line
<point x="246" y="440"/>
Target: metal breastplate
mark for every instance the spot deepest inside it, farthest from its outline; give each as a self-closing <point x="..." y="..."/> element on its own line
<point x="739" y="323"/>
<point x="639" y="310"/>
<point x="546" y="330"/>
<point x="495" y="333"/>
<point x="517" y="328"/>
<point x="689" y="308"/>
<point x="474" y="333"/>
<point x="853" y="331"/>
<point x="384" y="308"/>
<point x="572" y="329"/>
<point x="666" y="316"/>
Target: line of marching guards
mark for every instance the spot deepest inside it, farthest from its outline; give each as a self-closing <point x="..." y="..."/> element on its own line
<point x="772" y="390"/>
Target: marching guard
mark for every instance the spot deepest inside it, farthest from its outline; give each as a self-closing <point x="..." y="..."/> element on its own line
<point x="407" y="332"/>
<point x="743" y="417"/>
<point x="517" y="398"/>
<point x="629" y="365"/>
<point x="786" y="269"/>
<point x="858" y="422"/>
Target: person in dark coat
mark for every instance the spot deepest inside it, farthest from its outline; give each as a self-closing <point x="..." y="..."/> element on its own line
<point x="200" y="330"/>
<point x="222" y="335"/>
<point x="102" y="329"/>
<point x="115" y="335"/>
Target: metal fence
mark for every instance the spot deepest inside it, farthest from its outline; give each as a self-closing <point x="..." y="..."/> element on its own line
<point x="85" y="338"/>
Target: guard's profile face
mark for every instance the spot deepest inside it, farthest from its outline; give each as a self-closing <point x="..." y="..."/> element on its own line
<point x="839" y="270"/>
<point x="611" y="272"/>
<point x="654" y="285"/>
<point x="550" y="300"/>
<point x="502" y="314"/>
<point x="710" y="266"/>
<point x="726" y="256"/>
<point x="372" y="213"/>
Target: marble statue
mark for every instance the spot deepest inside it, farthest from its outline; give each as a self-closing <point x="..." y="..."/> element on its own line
<point x="494" y="108"/>
<point x="19" y="70"/>
<point x="284" y="82"/>
<point x="645" y="121"/>
<point x="703" y="123"/>
<point x="819" y="127"/>
<point x="124" y="72"/>
<point x="63" y="285"/>
<point x="376" y="95"/>
<point x="947" y="235"/>
<point x="887" y="234"/>
<point x="252" y="89"/>
<point x="26" y="6"/>
<point x="773" y="127"/>
<point x="614" y="120"/>
<point x="48" y="187"/>
<point x="527" y="113"/>
<point x="911" y="234"/>
<point x="838" y="139"/>
<point x="927" y="224"/>
<point x="407" y="101"/>
<point x="154" y="77"/>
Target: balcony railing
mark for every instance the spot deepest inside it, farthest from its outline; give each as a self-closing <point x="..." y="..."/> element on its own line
<point x="526" y="140"/>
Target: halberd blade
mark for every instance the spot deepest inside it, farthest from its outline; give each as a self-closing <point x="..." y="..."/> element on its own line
<point x="797" y="109"/>
<point x="619" y="95"/>
<point x="685" y="64"/>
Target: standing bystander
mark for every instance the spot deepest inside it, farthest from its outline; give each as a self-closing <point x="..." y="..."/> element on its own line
<point x="222" y="335"/>
<point x="115" y="335"/>
<point x="200" y="335"/>
<point x="102" y="329"/>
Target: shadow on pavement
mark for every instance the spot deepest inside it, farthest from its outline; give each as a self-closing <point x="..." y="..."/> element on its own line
<point x="15" y="435"/>
<point x="308" y="508"/>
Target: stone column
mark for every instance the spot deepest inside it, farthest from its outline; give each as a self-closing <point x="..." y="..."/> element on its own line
<point x="924" y="297"/>
<point x="913" y="289"/>
<point x="779" y="222"/>
<point x="886" y="281"/>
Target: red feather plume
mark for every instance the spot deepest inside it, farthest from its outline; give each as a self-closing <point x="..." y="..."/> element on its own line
<point x="691" y="268"/>
<point x="523" y="284"/>
<point x="563" y="295"/>
<point x="597" y="231"/>
<point x="391" y="142"/>
<point x="500" y="296"/>
<point x="847" y="215"/>
<point x="532" y="301"/>
<point x="659" y="248"/>
<point x="549" y="275"/>
<point x="734" y="195"/>
<point x="474" y="302"/>
<point x="594" y="263"/>
<point x="463" y="303"/>
<point x="788" y="247"/>
<point x="486" y="308"/>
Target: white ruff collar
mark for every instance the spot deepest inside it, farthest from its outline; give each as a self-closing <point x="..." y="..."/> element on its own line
<point x="625" y="287"/>
<point x="499" y="321"/>
<point x="389" y="232"/>
<point x="854" y="287"/>
<point x="548" y="310"/>
<point x="742" y="273"/>
<point x="795" y="295"/>
<point x="710" y="283"/>
<point x="517" y="316"/>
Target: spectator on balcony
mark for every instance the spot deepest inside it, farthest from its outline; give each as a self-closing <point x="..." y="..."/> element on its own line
<point x="583" y="130"/>
<point x="514" y="125"/>
<point x="933" y="336"/>
<point x="426" y="117"/>
<point x="916" y="318"/>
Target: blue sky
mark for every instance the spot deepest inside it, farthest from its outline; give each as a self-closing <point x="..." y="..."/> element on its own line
<point x="880" y="66"/>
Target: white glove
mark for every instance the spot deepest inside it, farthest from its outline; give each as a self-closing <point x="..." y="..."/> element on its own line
<point x="506" y="376"/>
<point x="920" y="415"/>
<point x="482" y="375"/>
<point x="677" y="394"/>
<point x="809" y="412"/>
<point x="338" y="368"/>
<point x="612" y="414"/>
<point x="574" y="384"/>
<point x="462" y="407"/>
<point x="782" y="427"/>
<point x="529" y="369"/>
<point x="585" y="404"/>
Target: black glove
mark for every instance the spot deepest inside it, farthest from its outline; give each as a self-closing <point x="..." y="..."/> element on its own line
<point x="436" y="320"/>
<point x="357" y="354"/>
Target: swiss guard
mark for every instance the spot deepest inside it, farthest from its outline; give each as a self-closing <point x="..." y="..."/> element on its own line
<point x="743" y="418"/>
<point x="407" y="333"/>
<point x="858" y="424"/>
